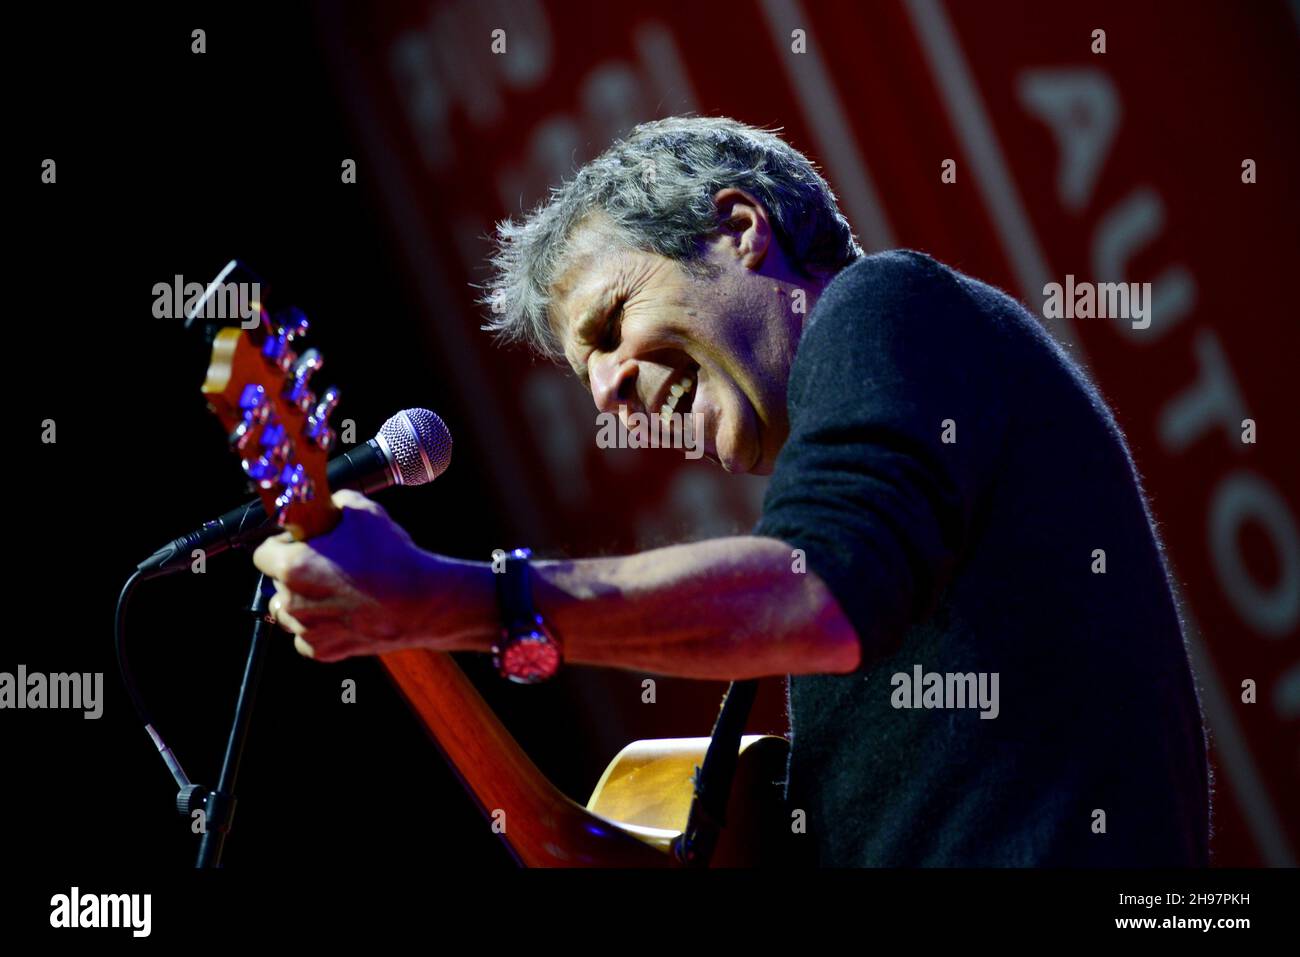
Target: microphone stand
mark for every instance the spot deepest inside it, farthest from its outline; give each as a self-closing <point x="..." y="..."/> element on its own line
<point x="220" y="804"/>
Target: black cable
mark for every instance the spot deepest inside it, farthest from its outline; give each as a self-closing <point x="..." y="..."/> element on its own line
<point x="132" y="689"/>
<point x="119" y="641"/>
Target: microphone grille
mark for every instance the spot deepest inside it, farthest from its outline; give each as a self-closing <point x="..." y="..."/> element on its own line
<point x="419" y="443"/>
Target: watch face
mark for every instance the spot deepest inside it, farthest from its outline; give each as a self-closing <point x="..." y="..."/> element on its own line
<point x="529" y="658"/>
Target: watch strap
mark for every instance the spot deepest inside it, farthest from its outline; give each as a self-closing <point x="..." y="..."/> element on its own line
<point x="515" y="592"/>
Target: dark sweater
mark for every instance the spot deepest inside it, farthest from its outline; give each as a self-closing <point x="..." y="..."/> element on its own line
<point x="977" y="556"/>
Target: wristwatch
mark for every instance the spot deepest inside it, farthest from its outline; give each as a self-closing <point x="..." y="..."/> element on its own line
<point x="528" y="652"/>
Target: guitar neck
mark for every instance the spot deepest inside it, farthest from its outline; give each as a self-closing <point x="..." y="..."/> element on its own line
<point x="543" y="827"/>
<point x="258" y="387"/>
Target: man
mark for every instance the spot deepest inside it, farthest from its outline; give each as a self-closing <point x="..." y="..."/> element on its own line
<point x="954" y="564"/>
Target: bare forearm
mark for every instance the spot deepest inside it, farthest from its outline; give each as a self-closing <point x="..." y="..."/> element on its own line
<point x="725" y="609"/>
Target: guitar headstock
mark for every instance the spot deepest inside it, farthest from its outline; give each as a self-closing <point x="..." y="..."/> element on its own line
<point x="258" y="385"/>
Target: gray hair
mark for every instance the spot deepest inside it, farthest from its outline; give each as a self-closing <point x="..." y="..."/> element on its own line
<point x="657" y="188"/>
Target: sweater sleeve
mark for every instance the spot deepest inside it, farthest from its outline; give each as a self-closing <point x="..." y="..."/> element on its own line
<point x="897" y="415"/>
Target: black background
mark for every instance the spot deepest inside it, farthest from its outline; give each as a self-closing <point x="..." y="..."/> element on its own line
<point x="164" y="159"/>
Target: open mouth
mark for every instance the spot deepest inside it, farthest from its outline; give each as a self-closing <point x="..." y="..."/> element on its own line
<point x="680" y="395"/>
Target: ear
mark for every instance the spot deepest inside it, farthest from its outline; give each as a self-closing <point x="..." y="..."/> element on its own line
<point x="743" y="226"/>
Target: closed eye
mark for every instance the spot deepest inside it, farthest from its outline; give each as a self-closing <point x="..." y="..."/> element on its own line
<point x="611" y="328"/>
<point x="600" y="334"/>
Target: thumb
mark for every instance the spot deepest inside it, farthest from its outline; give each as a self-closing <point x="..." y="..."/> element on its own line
<point x="349" y="498"/>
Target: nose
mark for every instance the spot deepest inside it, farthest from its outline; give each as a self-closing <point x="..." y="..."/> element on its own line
<point x="613" y="383"/>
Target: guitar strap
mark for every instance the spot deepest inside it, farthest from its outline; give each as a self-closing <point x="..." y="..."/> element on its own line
<point x="713" y="778"/>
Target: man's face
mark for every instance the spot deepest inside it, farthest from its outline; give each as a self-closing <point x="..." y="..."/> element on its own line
<point x="646" y="335"/>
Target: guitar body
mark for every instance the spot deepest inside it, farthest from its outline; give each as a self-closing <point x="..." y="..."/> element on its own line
<point x="636" y="810"/>
<point x="647" y="790"/>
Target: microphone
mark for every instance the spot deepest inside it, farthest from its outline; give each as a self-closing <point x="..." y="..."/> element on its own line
<point x="412" y="448"/>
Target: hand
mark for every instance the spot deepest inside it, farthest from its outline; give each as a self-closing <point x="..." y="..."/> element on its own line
<point x="362" y="589"/>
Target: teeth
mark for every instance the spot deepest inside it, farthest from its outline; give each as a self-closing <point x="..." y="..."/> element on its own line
<point x="675" y="393"/>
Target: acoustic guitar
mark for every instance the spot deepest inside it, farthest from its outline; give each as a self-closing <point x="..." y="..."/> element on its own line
<point x="259" y="387"/>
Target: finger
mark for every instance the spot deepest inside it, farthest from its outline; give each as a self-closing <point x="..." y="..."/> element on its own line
<point x="350" y="498"/>
<point x="282" y="616"/>
<point x="298" y="565"/>
<point x="313" y="613"/>
<point x="324" y="651"/>
<point x="323" y="646"/>
<point x="277" y="555"/>
<point x="308" y="610"/>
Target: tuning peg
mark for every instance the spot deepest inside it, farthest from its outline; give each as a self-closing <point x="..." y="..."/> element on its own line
<point x="293" y="322"/>
<point x="289" y="325"/>
<point x="276" y="350"/>
<point x="253" y="396"/>
<point x="261" y="471"/>
<point x="325" y="408"/>
<point x="254" y="404"/>
<point x="318" y="426"/>
<point x="297" y="487"/>
<point x="304" y="368"/>
<point x="273" y="436"/>
<point x="239" y="437"/>
<point x="276" y="448"/>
